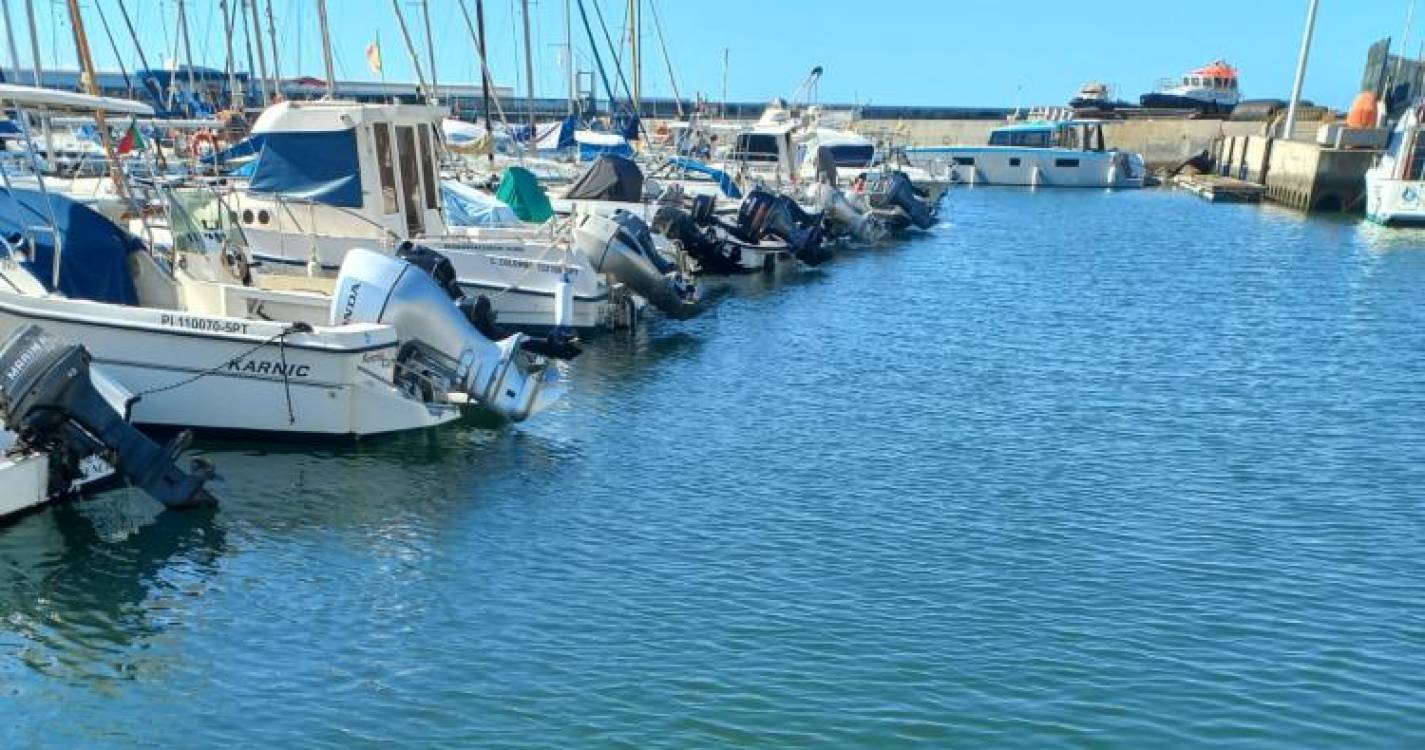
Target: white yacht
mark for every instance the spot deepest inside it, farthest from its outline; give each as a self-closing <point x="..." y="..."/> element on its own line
<point x="1395" y="186"/>
<point x="1058" y="153"/>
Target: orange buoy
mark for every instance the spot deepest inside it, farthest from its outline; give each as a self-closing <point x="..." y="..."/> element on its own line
<point x="1363" y="111"/>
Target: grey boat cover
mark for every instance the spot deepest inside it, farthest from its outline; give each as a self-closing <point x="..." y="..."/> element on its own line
<point x="611" y="178"/>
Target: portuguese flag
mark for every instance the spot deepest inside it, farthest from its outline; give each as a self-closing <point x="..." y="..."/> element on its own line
<point x="132" y="140"/>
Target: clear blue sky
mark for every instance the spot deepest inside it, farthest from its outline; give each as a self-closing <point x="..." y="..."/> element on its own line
<point x="932" y="52"/>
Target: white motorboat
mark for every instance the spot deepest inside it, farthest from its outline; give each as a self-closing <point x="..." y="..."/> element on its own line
<point x="1395" y="186"/>
<point x="1045" y="153"/>
<point x="336" y="176"/>
<point x="202" y="344"/>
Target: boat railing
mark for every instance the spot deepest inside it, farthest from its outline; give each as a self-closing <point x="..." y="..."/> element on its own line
<point x="389" y="239"/>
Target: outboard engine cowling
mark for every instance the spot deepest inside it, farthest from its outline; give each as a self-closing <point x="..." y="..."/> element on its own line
<point x="843" y="215"/>
<point x="900" y="193"/>
<point x="49" y="399"/>
<point x="440" y="346"/>
<point x="713" y="254"/>
<point x="622" y="247"/>
<point x="763" y="214"/>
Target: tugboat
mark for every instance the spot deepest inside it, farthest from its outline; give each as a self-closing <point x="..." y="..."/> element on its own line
<point x="1211" y="90"/>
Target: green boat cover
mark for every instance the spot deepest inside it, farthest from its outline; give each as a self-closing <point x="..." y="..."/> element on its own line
<point x="520" y="190"/>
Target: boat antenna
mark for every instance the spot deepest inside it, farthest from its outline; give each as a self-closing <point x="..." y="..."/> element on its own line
<point x="411" y="49"/>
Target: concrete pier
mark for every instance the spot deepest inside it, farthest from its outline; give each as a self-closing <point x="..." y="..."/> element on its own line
<point x="1300" y="174"/>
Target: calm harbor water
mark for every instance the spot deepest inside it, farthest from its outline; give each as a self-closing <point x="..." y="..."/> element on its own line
<point x="1078" y="469"/>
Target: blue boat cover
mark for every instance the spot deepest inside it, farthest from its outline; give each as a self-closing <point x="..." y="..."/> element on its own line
<point x="724" y="181"/>
<point x="95" y="262"/>
<point x="467" y="207"/>
<point x="248" y="146"/>
<point x="320" y="166"/>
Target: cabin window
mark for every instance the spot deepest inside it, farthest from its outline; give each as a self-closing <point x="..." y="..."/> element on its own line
<point x="1014" y="162"/>
<point x="428" y="167"/>
<point x="1031" y="138"/>
<point x="1069" y="138"/>
<point x="965" y="161"/>
<point x="757" y="147"/>
<point x="410" y="178"/>
<point x="1066" y="163"/>
<point x="385" y="161"/>
<point x="999" y="138"/>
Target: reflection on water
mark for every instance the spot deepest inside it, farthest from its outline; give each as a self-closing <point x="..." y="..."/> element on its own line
<point x="1079" y="468"/>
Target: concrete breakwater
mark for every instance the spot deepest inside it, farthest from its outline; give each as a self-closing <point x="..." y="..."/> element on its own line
<point x="1163" y="143"/>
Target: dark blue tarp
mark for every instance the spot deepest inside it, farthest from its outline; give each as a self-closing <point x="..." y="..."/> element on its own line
<point x="724" y="182"/>
<point x="95" y="262"/>
<point x="320" y="166"/>
<point x="246" y="147"/>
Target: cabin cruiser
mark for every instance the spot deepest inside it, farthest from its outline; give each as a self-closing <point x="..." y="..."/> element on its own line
<point x="334" y="176"/>
<point x="1046" y="153"/>
<point x="61" y="425"/>
<point x="1211" y="90"/>
<point x="203" y="343"/>
<point x="1395" y="186"/>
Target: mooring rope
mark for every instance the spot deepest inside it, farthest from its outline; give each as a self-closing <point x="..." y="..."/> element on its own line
<point x="280" y="338"/>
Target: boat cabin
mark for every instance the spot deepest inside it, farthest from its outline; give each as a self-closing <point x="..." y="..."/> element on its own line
<point x="1072" y="135"/>
<point x="380" y="161"/>
<point x="1219" y="75"/>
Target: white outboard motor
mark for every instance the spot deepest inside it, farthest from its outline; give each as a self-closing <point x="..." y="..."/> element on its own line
<point x="441" y="348"/>
<point x="622" y="247"/>
<point x="845" y="216"/>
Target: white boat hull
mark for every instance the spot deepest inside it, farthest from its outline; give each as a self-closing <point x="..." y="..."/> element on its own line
<point x="25" y="479"/>
<point x="1394" y="202"/>
<point x="222" y="373"/>
<point x="1034" y="167"/>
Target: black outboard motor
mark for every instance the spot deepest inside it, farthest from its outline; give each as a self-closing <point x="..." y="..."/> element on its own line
<point x="900" y="193"/>
<point x="479" y="311"/>
<point x="764" y="214"/>
<point x="49" y="400"/>
<point x="713" y="254"/>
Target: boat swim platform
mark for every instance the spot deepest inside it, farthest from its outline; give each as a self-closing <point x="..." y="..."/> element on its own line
<point x="1218" y="189"/>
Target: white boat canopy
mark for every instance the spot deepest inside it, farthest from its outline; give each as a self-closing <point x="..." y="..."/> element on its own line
<point x="68" y="101"/>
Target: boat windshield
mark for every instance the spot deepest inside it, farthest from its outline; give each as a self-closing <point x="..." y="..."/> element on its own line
<point x="1024" y="138"/>
<point x="197" y="214"/>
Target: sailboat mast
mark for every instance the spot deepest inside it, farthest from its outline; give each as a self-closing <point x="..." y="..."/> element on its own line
<point x="430" y="50"/>
<point x="411" y="49"/>
<point x="528" y="66"/>
<point x="34" y="44"/>
<point x="91" y="85"/>
<point x="187" y="53"/>
<point x="485" y="86"/>
<point x="327" y="48"/>
<point x="276" y="62"/>
<point x="569" y="54"/>
<point x="256" y="26"/>
<point x="635" y="31"/>
<point x="233" y="92"/>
